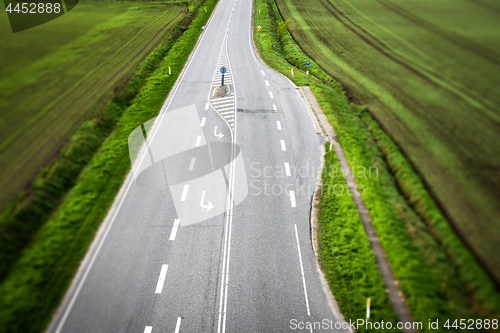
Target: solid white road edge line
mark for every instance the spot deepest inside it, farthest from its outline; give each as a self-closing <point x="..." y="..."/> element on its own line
<point x="178" y="325"/>
<point x="302" y="269"/>
<point x="175" y="227"/>
<point x="283" y="147"/>
<point x="161" y="279"/>
<point x="184" y="192"/>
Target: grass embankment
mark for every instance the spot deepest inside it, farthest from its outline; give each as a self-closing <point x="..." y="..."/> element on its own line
<point x="429" y="73"/>
<point x="53" y="77"/>
<point x="439" y="278"/>
<point x="20" y="221"/>
<point x="37" y="282"/>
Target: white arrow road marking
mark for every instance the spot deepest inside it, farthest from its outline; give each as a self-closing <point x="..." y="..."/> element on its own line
<point x="283" y="147"/>
<point x="161" y="279"/>
<point x="207" y="206"/>
<point x="178" y="325"/>
<point x="220" y="135"/>
<point x="184" y="192"/>
<point x="279" y="124"/>
<point x="173" y="233"/>
<point x="287" y="169"/>
<point x="148" y="329"/>
<point x="292" y="199"/>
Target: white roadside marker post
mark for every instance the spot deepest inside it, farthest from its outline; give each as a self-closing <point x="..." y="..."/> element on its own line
<point x="292" y="73"/>
<point x="368" y="308"/>
<point x="169" y="73"/>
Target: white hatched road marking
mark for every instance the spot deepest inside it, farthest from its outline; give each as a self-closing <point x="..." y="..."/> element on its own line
<point x="224" y="106"/>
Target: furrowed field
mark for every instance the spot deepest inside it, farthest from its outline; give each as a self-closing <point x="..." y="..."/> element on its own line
<point x="53" y="76"/>
<point x="429" y="72"/>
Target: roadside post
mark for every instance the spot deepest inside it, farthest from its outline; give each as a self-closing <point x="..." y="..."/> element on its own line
<point x="292" y="73"/>
<point x="169" y="73"/>
<point x="307" y="71"/>
<point x="223" y="70"/>
<point x="368" y="308"/>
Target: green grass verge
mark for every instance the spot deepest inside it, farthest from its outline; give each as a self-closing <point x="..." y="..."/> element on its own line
<point x="54" y="76"/>
<point x="345" y="253"/>
<point x="437" y="274"/>
<point x="426" y="71"/>
<point x="37" y="282"/>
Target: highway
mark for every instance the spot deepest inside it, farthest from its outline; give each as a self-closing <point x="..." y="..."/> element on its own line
<point x="210" y="232"/>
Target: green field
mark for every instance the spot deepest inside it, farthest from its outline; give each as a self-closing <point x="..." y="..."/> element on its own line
<point x="53" y="76"/>
<point x="72" y="198"/>
<point x="428" y="72"/>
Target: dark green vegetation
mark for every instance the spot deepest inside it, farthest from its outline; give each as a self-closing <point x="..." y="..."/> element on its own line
<point x="436" y="273"/>
<point x="429" y="73"/>
<point x="37" y="281"/>
<point x="52" y="77"/>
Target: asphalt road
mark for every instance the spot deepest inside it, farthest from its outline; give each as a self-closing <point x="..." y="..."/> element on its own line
<point x="210" y="233"/>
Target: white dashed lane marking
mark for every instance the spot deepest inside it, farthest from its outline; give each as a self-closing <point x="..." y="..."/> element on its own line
<point x="173" y="233"/>
<point x="184" y="192"/>
<point x="283" y="146"/>
<point x="161" y="279"/>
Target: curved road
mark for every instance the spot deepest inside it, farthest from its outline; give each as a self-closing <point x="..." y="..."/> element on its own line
<point x="164" y="259"/>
